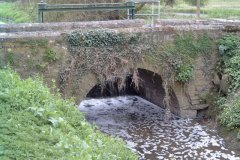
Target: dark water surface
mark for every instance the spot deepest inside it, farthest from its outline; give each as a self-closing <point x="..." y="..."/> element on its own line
<point x="140" y="124"/>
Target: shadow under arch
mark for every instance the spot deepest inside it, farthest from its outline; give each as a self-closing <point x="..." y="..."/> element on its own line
<point x="150" y="88"/>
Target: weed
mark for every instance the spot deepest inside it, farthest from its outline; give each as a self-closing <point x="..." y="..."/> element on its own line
<point x="10" y="58"/>
<point x="51" y="55"/>
<point x="185" y="73"/>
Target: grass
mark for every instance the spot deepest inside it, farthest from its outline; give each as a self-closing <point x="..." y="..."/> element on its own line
<point x="36" y="124"/>
<point x="12" y="12"/>
<point x="225" y="9"/>
<point x="226" y="13"/>
<point x="224" y="3"/>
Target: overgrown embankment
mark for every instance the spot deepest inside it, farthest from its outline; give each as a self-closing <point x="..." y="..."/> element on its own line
<point x="228" y="71"/>
<point x="36" y="124"/>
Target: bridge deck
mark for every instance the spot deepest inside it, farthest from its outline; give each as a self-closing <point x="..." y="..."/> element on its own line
<point x="13" y="31"/>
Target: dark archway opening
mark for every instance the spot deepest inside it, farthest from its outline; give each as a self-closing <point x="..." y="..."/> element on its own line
<point x="150" y="88"/>
<point x="111" y="89"/>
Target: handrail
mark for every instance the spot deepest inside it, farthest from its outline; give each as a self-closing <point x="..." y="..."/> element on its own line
<point x="154" y="3"/>
<point x="44" y="7"/>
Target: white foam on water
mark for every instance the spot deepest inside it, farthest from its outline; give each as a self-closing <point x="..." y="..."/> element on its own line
<point x="140" y="124"/>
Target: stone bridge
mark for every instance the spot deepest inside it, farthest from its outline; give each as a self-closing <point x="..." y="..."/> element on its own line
<point x="42" y="49"/>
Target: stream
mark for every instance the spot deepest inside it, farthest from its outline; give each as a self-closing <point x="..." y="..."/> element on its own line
<point x="140" y="123"/>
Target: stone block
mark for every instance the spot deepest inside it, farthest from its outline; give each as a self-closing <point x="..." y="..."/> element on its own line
<point x="188" y="113"/>
<point x="224" y="83"/>
<point x="199" y="106"/>
<point x="195" y="101"/>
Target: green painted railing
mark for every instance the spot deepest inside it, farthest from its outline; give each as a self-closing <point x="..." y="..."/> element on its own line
<point x="44" y="7"/>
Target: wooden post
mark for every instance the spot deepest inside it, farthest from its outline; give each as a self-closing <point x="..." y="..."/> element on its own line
<point x="198" y="8"/>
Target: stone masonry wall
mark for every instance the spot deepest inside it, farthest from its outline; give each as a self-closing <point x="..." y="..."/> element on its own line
<point x="27" y="47"/>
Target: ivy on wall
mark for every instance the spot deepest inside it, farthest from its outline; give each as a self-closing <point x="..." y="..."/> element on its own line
<point x="103" y="52"/>
<point x="181" y="54"/>
<point x="101" y="38"/>
<point x="108" y="54"/>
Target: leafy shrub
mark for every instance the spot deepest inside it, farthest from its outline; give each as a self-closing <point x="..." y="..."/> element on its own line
<point x="51" y="55"/>
<point x="230" y="116"/>
<point x="185" y="73"/>
<point x="99" y="38"/>
<point x="229" y="49"/>
<point x="228" y="45"/>
<point x="220" y="102"/>
<point x="36" y="124"/>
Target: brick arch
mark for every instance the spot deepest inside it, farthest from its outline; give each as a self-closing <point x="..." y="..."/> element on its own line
<point x="185" y="100"/>
<point x="150" y="88"/>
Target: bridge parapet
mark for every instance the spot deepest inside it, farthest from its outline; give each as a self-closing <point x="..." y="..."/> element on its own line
<point x="13" y="31"/>
<point x="39" y="30"/>
<point x="64" y="26"/>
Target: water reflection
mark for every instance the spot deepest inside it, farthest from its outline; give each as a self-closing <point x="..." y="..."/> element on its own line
<point x="140" y="124"/>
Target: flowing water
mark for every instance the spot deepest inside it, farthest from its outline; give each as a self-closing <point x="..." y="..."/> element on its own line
<point x="140" y="123"/>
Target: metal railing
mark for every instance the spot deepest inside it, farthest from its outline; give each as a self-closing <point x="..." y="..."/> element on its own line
<point x="154" y="4"/>
<point x="44" y="7"/>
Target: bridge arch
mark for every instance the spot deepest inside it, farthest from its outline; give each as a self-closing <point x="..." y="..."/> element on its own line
<point x="150" y="87"/>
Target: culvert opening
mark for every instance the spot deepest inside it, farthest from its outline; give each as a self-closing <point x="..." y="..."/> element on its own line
<point x="111" y="88"/>
<point x="150" y="88"/>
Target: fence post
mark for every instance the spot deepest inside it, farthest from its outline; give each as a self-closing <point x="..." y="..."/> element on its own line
<point x="131" y="11"/>
<point x="41" y="6"/>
